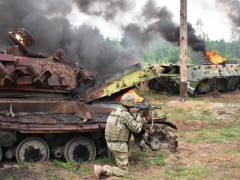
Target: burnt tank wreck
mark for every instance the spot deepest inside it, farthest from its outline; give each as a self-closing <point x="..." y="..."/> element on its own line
<point x="53" y="107"/>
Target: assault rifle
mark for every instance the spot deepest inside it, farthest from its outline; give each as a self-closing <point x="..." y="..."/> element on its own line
<point x="142" y="108"/>
<point x="150" y="117"/>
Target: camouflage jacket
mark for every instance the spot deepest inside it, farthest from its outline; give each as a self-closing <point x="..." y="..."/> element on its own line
<point x="125" y="121"/>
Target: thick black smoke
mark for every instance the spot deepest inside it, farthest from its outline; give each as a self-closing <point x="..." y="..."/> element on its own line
<point x="140" y="35"/>
<point x="162" y="25"/>
<point x="233" y="9"/>
<point x="46" y="20"/>
<point x="108" y="9"/>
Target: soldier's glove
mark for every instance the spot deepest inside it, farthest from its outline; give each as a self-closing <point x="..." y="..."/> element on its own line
<point x="139" y="118"/>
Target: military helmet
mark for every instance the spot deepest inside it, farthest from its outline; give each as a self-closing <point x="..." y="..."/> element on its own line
<point x="128" y="100"/>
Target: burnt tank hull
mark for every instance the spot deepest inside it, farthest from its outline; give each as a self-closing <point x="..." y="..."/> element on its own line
<point x="34" y="130"/>
<point x="40" y="116"/>
<point x="55" y="123"/>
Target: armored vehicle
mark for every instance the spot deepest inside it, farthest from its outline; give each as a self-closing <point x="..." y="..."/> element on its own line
<point x="45" y="109"/>
<point x="202" y="78"/>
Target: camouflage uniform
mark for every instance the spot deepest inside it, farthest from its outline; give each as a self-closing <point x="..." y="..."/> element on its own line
<point x="120" y="144"/>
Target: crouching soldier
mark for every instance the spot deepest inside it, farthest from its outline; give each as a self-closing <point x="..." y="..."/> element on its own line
<point x="119" y="137"/>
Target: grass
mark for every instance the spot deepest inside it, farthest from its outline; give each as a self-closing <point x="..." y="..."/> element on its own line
<point x="105" y="160"/>
<point x="237" y="166"/>
<point x="222" y="112"/>
<point x="52" y="178"/>
<point x="146" y="159"/>
<point x="210" y="160"/>
<point x="232" y="152"/>
<point x="182" y="114"/>
<point x="153" y="95"/>
<point x="237" y="116"/>
<point x="199" y="98"/>
<point x="85" y="170"/>
<point x="149" y="159"/>
<point x="229" y="164"/>
<point x="225" y="164"/>
<point x="143" y="158"/>
<point x="14" y="177"/>
<point x="206" y="112"/>
<point x="197" y="171"/>
<point x="199" y="112"/>
<point x="126" y="177"/>
<point x="221" y="135"/>
<point x="66" y="165"/>
<point x="145" y="177"/>
<point x="159" y="161"/>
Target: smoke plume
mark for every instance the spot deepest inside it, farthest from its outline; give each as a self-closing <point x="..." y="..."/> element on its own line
<point x="162" y="25"/>
<point x="107" y="9"/>
<point x="233" y="9"/>
<point x="46" y="21"/>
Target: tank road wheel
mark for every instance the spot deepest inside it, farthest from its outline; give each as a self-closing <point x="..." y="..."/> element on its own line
<point x="0" y="154"/>
<point x="32" y="149"/>
<point x="80" y="149"/>
<point x="155" y="144"/>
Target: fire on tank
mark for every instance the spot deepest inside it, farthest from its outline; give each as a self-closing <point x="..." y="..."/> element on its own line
<point x="49" y="105"/>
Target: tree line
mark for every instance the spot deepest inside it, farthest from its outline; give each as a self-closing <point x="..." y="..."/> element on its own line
<point x="161" y="51"/>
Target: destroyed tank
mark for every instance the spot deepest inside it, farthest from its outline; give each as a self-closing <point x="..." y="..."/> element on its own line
<point x="52" y="107"/>
<point x="202" y="78"/>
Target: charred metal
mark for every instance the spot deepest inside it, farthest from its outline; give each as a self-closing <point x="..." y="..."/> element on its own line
<point x="7" y="138"/>
<point x="49" y="105"/>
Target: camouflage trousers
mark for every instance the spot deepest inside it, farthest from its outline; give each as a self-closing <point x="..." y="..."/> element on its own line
<point x="121" y="158"/>
<point x="121" y="169"/>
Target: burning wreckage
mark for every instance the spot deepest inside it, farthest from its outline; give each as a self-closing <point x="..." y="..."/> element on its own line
<point x="214" y="76"/>
<point x="52" y="106"/>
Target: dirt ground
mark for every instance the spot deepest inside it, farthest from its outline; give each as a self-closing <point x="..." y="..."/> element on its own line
<point x="209" y="145"/>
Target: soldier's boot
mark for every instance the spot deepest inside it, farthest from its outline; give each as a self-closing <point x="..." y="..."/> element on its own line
<point x="97" y="171"/>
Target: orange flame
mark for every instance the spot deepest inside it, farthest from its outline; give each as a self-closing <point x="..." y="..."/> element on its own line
<point x="19" y="38"/>
<point x="214" y="58"/>
<point x="139" y="98"/>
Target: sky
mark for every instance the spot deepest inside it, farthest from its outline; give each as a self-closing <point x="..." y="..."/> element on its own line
<point x="59" y="24"/>
<point x="215" y="22"/>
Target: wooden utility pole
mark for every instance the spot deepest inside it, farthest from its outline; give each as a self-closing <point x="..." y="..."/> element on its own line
<point x="183" y="50"/>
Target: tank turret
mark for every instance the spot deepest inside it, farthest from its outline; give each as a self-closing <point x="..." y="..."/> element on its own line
<point x="23" y="70"/>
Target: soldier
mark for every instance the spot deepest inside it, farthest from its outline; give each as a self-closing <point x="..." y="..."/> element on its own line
<point x="119" y="137"/>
